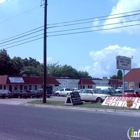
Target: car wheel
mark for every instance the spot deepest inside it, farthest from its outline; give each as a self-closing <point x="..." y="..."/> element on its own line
<point x="57" y="94"/>
<point x="99" y="100"/>
<point x="48" y="96"/>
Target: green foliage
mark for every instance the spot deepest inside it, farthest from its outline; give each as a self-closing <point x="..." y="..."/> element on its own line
<point x="32" y="67"/>
<point x="114" y="77"/>
<point x="6" y="66"/>
<point x="119" y="74"/>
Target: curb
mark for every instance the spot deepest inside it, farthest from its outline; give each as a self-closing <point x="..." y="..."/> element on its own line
<point x="86" y="109"/>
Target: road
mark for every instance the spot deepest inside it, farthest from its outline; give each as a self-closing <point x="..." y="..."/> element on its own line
<point x="19" y="122"/>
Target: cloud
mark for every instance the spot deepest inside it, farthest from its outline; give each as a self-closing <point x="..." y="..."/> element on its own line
<point x="49" y="60"/>
<point x="1" y="1"/>
<point x="121" y="7"/>
<point x="104" y="61"/>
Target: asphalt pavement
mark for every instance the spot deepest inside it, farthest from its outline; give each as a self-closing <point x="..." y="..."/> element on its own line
<point x="19" y="122"/>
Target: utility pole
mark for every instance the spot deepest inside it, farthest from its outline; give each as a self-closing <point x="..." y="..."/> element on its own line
<point x="45" y="53"/>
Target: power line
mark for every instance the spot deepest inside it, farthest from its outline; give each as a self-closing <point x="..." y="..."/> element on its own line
<point x="22" y="33"/>
<point x="95" y="17"/>
<point x="74" y="29"/>
<point x="23" y="43"/>
<point x="74" y="23"/>
<point x="93" y="26"/>
<point x="21" y="36"/>
<point x="19" y="14"/>
<point x="94" y="30"/>
<point x="22" y="40"/>
<point x="71" y="34"/>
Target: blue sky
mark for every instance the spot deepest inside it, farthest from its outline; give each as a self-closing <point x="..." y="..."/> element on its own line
<point x="94" y="52"/>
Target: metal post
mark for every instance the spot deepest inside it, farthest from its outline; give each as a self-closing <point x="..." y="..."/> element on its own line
<point x="45" y="53"/>
<point x="123" y="81"/>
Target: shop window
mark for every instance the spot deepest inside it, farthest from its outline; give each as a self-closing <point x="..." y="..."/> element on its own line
<point x="4" y="86"/>
<point x="35" y="87"/>
<point x="30" y="87"/>
<point x="89" y="86"/>
<point x="0" y="86"/>
<point x="25" y="87"/>
<point x="21" y="87"/>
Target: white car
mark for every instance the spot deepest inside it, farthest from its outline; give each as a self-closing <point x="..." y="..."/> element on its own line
<point x="92" y="95"/>
<point x="63" y="92"/>
<point x="119" y="89"/>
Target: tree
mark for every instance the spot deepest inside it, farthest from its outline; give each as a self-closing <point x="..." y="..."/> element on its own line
<point x="18" y="65"/>
<point x="56" y="70"/>
<point x="6" y="66"/>
<point x="32" y="67"/>
<point x="114" y="77"/>
<point x="119" y="74"/>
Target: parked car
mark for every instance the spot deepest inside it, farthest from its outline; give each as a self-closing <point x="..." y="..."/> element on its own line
<point x="108" y="90"/>
<point x="35" y="93"/>
<point x="63" y="92"/>
<point x="49" y="92"/>
<point x="131" y="93"/>
<point x="92" y="96"/>
<point x="119" y="89"/>
<point x="21" y="94"/>
<point x="6" y="94"/>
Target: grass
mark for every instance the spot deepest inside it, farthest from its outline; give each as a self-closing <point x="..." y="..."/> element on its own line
<point x="85" y="105"/>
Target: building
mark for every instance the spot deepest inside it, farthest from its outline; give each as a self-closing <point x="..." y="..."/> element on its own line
<point x="25" y="82"/>
<point x="75" y="83"/>
<point x="115" y="83"/>
<point x="86" y="83"/>
<point x="133" y="78"/>
<point x="35" y="82"/>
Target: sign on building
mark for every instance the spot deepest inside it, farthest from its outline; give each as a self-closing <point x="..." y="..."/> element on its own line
<point x="123" y="63"/>
<point x="16" y="79"/>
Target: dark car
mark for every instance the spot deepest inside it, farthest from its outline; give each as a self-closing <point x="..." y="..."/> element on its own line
<point x="49" y="92"/>
<point x="5" y="94"/>
<point x="131" y="93"/>
<point x="35" y="94"/>
<point x="20" y="94"/>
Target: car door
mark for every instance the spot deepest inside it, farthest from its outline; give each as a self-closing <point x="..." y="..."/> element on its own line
<point x="62" y="92"/>
<point x="83" y="95"/>
<point x="90" y="95"/>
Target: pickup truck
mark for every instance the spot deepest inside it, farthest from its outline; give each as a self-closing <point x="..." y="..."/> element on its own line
<point x="63" y="92"/>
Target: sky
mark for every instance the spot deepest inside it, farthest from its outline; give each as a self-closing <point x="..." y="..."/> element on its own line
<point x="102" y="32"/>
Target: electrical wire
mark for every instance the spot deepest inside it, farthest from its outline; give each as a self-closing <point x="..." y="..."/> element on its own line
<point x="83" y="28"/>
<point x="94" y="30"/>
<point x="19" y="14"/>
<point x="93" y="26"/>
<point x="23" y="43"/>
<point x="33" y="31"/>
<point x="71" y="34"/>
<point x="95" y="17"/>
<point x="62" y="25"/>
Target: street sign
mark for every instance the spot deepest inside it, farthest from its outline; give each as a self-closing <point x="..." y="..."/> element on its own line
<point x="123" y="63"/>
<point x="73" y="98"/>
